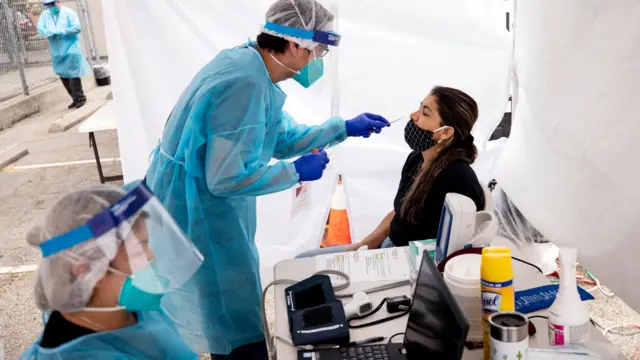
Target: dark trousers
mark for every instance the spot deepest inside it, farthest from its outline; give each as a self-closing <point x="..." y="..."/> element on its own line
<point x="74" y="88"/>
<point x="253" y="351"/>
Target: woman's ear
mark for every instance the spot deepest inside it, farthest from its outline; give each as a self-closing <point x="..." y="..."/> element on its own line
<point x="447" y="133"/>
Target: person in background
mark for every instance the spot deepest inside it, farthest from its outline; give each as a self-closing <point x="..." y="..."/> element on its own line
<point x="439" y="133"/>
<point x="100" y="281"/>
<point x="61" y="26"/>
<point x="214" y="159"/>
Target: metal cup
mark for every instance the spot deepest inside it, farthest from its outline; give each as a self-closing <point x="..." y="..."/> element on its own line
<point x="509" y="333"/>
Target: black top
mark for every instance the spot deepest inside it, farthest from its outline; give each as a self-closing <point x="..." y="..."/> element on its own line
<point x="458" y="177"/>
<point x="60" y="331"/>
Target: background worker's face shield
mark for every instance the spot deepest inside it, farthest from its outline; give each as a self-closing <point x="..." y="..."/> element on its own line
<point x="323" y="37"/>
<point x="138" y="239"/>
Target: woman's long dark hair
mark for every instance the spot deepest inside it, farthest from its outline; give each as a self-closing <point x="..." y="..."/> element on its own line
<point x="460" y="111"/>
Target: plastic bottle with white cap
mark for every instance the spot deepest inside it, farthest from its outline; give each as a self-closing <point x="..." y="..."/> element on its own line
<point x="568" y="316"/>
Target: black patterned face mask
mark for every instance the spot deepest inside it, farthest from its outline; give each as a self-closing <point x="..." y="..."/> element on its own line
<point x="419" y="139"/>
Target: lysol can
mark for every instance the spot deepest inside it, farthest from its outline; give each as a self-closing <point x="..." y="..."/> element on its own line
<point x="496" y="275"/>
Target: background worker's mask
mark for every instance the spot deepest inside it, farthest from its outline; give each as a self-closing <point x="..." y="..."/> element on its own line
<point x="55" y="10"/>
<point x="310" y="73"/>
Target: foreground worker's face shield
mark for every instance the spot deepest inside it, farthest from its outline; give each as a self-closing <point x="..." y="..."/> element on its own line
<point x="136" y="237"/>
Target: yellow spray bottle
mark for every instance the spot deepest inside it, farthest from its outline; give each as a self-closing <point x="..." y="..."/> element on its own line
<point x="497" y="288"/>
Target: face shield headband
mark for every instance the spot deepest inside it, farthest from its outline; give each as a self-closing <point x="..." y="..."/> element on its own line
<point x="328" y="38"/>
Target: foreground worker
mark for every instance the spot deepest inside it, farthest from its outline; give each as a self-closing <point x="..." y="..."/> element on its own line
<point x="214" y="159"/>
<point x="100" y="279"/>
<point x="61" y="26"/>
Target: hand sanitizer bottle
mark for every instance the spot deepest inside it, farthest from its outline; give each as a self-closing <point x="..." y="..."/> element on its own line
<point x="568" y="316"/>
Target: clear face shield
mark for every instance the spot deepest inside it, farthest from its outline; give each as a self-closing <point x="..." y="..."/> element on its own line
<point x="135" y="238"/>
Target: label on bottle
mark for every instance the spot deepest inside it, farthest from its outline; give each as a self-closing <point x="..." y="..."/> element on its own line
<point x="492" y="293"/>
<point x="567" y="335"/>
<point x="491" y="302"/>
<point x="509" y="350"/>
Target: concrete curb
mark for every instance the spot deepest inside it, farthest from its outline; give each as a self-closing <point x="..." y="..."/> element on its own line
<point x="72" y="119"/>
<point x="44" y="98"/>
<point x="12" y="154"/>
<point x="16" y="109"/>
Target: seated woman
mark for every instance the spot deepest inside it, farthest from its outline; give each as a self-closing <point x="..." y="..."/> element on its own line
<point x="439" y="133"/>
<point x="101" y="282"/>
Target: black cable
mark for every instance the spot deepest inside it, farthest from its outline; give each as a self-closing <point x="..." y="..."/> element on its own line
<point x="528" y="263"/>
<point x="376" y="322"/>
<point x="392" y="336"/>
<point x="538" y="317"/>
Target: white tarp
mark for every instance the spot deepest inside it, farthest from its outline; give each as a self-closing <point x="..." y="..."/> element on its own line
<point x="391" y="54"/>
<point x="570" y="165"/>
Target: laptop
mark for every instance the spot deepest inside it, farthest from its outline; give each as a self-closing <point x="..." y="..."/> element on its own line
<point x="436" y="329"/>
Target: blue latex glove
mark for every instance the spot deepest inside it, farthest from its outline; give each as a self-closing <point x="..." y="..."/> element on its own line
<point x="365" y="124"/>
<point x="311" y="166"/>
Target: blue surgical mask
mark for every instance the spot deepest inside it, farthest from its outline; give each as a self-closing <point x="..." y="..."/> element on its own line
<point x="310" y="73"/>
<point x="143" y="290"/>
<point x="55" y="10"/>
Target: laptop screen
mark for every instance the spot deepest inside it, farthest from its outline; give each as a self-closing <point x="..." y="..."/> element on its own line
<point x="437" y="328"/>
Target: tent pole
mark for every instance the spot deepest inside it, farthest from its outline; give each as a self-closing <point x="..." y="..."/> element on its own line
<point x="335" y="79"/>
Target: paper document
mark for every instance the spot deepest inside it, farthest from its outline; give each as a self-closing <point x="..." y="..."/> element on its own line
<point x="372" y="265"/>
<point x="301" y="201"/>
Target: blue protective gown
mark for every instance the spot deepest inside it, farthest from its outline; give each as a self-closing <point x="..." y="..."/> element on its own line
<point x="62" y="31"/>
<point x="210" y="166"/>
<point x="153" y="337"/>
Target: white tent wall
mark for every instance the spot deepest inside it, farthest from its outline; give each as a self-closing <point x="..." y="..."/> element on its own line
<point x="391" y="54"/>
<point x="570" y="164"/>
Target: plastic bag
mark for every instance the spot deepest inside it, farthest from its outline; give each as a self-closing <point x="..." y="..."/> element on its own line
<point x="512" y="223"/>
<point x="101" y="71"/>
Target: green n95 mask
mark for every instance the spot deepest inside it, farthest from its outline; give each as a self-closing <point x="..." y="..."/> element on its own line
<point x="310" y="73"/>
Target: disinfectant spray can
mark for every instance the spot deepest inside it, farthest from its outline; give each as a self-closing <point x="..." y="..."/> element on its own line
<point x="497" y="288"/>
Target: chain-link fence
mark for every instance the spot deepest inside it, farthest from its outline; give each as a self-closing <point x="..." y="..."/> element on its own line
<point x="25" y="62"/>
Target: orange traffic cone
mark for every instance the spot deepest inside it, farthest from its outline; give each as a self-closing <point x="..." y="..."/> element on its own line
<point x="338" y="231"/>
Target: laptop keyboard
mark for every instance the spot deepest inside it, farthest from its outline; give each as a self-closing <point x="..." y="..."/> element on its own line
<point x="369" y="352"/>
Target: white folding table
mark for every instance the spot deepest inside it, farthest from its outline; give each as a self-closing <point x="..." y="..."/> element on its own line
<point x="104" y="119"/>
<point x="525" y="277"/>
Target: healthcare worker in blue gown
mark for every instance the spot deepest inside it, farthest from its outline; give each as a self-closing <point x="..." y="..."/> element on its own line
<point x="214" y="160"/>
<point x="103" y="276"/>
<point x="61" y="26"/>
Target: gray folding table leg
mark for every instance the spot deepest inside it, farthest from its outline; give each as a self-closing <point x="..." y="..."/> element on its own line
<point x="94" y="145"/>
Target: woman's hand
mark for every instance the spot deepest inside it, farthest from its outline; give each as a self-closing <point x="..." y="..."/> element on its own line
<point x="376" y="238"/>
<point x="354" y="247"/>
<point x="370" y="241"/>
